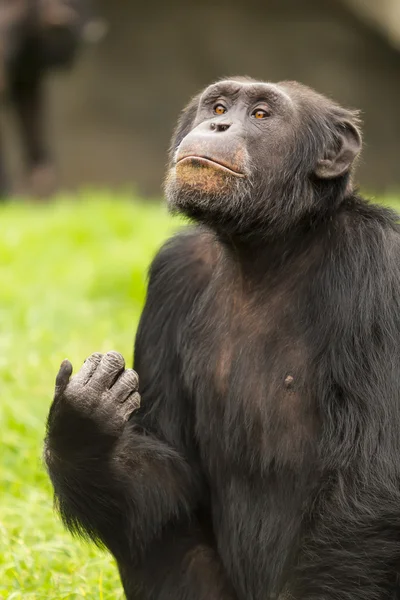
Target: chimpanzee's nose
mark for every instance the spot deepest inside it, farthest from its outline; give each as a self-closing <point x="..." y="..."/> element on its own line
<point x="219" y="127"/>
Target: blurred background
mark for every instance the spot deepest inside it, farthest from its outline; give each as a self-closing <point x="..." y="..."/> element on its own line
<point x="111" y="117"/>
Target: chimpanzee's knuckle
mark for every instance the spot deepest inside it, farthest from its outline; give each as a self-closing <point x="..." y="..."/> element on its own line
<point x="127" y="383"/>
<point x="125" y="413"/>
<point x="132" y="379"/>
<point x="135" y="400"/>
<point x="95" y="357"/>
<point x="114" y="359"/>
<point x="131" y="404"/>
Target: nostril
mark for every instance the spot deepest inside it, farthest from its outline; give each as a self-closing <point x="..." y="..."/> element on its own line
<point x="219" y="126"/>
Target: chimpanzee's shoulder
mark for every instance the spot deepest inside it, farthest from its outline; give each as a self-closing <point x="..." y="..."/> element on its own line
<point x="187" y="258"/>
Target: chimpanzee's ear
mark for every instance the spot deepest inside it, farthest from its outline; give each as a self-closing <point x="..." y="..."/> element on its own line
<point x="344" y="150"/>
<point x="185" y="124"/>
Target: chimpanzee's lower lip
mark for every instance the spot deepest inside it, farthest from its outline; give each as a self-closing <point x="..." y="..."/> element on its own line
<point x="203" y="160"/>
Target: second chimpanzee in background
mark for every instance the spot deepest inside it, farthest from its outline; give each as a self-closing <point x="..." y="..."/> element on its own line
<point x="264" y="459"/>
<point x="35" y="37"/>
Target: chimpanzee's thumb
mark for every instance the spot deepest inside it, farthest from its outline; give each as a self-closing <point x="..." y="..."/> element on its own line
<point x="63" y="377"/>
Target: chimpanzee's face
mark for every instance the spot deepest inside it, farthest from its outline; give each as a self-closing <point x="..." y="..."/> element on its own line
<point x="241" y="144"/>
<point x="238" y="129"/>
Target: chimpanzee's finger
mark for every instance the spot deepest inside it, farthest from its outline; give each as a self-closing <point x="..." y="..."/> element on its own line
<point x="131" y="404"/>
<point x="63" y="376"/>
<point x="88" y="368"/>
<point x="126" y="384"/>
<point x="108" y="370"/>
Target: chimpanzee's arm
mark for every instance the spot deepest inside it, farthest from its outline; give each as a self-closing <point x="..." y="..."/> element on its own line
<point x="119" y="481"/>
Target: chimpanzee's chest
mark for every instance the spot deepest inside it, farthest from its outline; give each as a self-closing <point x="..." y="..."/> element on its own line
<point x="248" y="370"/>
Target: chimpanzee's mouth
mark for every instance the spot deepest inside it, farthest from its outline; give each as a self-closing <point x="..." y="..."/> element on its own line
<point x="209" y="162"/>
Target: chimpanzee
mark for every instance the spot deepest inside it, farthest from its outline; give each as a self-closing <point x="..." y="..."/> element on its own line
<point x="264" y="459"/>
<point x="37" y="36"/>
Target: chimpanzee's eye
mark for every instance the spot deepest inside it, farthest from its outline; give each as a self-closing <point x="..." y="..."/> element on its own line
<point x="260" y="113"/>
<point x="219" y="109"/>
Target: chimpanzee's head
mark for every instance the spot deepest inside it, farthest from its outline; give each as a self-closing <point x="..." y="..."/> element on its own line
<point x="249" y="155"/>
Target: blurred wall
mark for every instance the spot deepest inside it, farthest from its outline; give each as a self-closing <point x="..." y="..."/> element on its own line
<point x="111" y="119"/>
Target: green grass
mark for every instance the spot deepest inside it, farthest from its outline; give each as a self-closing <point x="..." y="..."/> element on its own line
<point x="72" y="281"/>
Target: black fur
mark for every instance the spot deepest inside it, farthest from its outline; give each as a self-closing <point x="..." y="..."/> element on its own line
<point x="264" y="460"/>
